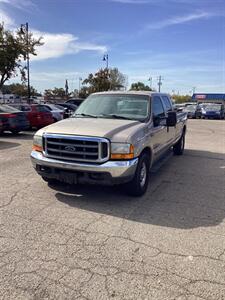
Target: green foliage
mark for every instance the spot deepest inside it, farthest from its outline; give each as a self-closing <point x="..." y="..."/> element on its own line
<point x="56" y="92"/>
<point x="19" y="90"/>
<point x="139" y="86"/>
<point x="13" y="51"/>
<point x="103" y="80"/>
<point x="181" y="98"/>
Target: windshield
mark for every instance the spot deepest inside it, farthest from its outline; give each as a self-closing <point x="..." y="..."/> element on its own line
<point x="131" y="107"/>
<point x="213" y="107"/>
<point x="190" y="108"/>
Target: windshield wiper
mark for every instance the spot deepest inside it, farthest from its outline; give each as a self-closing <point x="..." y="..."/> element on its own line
<point x="86" y="115"/>
<point x="114" y="116"/>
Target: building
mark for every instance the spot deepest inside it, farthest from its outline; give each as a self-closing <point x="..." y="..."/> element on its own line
<point x="209" y="98"/>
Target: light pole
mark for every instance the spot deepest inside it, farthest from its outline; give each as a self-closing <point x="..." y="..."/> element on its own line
<point x="150" y="81"/>
<point x="106" y="59"/>
<point x="24" y="29"/>
<point x="80" y="79"/>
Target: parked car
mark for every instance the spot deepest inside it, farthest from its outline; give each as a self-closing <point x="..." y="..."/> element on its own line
<point x="213" y="111"/>
<point x="75" y="101"/>
<point x="38" y="115"/>
<point x="1" y="126"/>
<point x="69" y="109"/>
<point x="113" y="138"/>
<point x="57" y="113"/>
<point x="193" y="111"/>
<point x="13" y="119"/>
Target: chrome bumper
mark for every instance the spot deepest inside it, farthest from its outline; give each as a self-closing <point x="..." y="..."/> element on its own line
<point x="116" y="169"/>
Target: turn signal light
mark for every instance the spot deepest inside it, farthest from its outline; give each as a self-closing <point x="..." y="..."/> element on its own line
<point x="37" y="148"/>
<point x="122" y="156"/>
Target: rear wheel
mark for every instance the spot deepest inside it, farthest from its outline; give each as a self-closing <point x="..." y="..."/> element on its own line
<point x="138" y="185"/>
<point x="15" y="131"/>
<point x="178" y="148"/>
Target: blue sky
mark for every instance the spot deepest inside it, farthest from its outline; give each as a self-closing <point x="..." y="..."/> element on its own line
<point x="181" y="40"/>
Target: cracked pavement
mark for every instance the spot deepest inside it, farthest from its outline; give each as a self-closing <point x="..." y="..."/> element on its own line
<point x="93" y="242"/>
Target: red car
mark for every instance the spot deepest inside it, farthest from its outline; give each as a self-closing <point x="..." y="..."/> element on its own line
<point x="38" y="115"/>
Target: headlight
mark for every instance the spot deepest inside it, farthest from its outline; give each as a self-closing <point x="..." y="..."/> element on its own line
<point x="122" y="151"/>
<point x="37" y="143"/>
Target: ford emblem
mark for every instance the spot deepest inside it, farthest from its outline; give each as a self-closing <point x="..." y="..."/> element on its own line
<point x="70" y="148"/>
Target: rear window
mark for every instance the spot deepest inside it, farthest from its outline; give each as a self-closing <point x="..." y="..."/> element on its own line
<point x="42" y="108"/>
<point x="8" y="109"/>
<point x="25" y="108"/>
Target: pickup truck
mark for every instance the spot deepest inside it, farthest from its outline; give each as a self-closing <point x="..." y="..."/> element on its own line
<point x="113" y="138"/>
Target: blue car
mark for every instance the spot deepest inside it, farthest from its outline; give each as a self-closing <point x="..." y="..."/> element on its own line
<point x="213" y="111"/>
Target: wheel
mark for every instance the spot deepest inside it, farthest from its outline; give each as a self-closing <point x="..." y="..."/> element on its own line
<point x="178" y="148"/>
<point x="49" y="180"/>
<point x="138" y="185"/>
<point x="14" y="131"/>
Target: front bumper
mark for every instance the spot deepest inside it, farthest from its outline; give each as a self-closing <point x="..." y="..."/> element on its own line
<point x="110" y="172"/>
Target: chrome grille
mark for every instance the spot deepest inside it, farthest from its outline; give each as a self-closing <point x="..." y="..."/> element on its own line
<point x="76" y="148"/>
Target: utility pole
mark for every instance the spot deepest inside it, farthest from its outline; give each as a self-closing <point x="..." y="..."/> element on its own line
<point x="24" y="29"/>
<point x="160" y="82"/>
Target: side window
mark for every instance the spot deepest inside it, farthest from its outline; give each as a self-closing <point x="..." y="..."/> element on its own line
<point x="167" y="103"/>
<point x="157" y="107"/>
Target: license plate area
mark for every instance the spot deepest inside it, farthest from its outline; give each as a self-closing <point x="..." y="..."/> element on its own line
<point x="67" y="177"/>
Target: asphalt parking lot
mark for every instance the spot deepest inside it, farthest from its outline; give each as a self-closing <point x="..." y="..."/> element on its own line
<point x="86" y="242"/>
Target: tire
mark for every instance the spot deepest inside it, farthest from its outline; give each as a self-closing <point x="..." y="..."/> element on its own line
<point x="15" y="131"/>
<point x="139" y="184"/>
<point x="178" y="148"/>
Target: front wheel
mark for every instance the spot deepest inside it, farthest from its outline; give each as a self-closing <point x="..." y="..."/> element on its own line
<point x="178" y="148"/>
<point x="139" y="184"/>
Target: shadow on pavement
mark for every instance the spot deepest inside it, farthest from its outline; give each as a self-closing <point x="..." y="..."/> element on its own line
<point x="8" y="145"/>
<point x="24" y="135"/>
<point x="187" y="192"/>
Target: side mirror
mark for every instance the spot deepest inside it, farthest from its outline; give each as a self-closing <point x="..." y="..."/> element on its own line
<point x="171" y="120"/>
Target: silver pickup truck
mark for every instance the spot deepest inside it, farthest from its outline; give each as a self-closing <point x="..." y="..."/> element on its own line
<point x="113" y="138"/>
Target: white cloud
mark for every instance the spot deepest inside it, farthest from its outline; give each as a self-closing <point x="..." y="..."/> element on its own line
<point x="56" y="45"/>
<point x="179" y="20"/>
<point x="6" y="19"/>
<point x="133" y="1"/>
<point x="19" y="4"/>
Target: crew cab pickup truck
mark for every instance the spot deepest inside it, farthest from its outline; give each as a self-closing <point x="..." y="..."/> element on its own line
<point x="113" y="138"/>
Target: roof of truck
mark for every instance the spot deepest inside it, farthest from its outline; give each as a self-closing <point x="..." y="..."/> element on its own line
<point x="146" y="93"/>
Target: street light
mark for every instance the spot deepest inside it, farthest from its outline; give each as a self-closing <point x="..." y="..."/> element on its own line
<point x="106" y="59"/>
<point x="150" y="81"/>
<point x="80" y="79"/>
<point x="24" y="29"/>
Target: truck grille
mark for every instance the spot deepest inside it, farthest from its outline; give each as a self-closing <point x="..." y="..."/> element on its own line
<point x="76" y="148"/>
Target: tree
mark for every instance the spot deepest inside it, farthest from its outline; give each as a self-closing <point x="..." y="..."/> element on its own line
<point x="56" y="92"/>
<point x="181" y="98"/>
<point x="19" y="90"/>
<point x="140" y="86"/>
<point x="13" y="51"/>
<point x="103" y="80"/>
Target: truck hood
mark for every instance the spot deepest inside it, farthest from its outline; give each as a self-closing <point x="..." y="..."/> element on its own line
<point x="113" y="129"/>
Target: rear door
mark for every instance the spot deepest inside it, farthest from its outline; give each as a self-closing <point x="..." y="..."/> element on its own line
<point x="171" y="131"/>
<point x="159" y="131"/>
